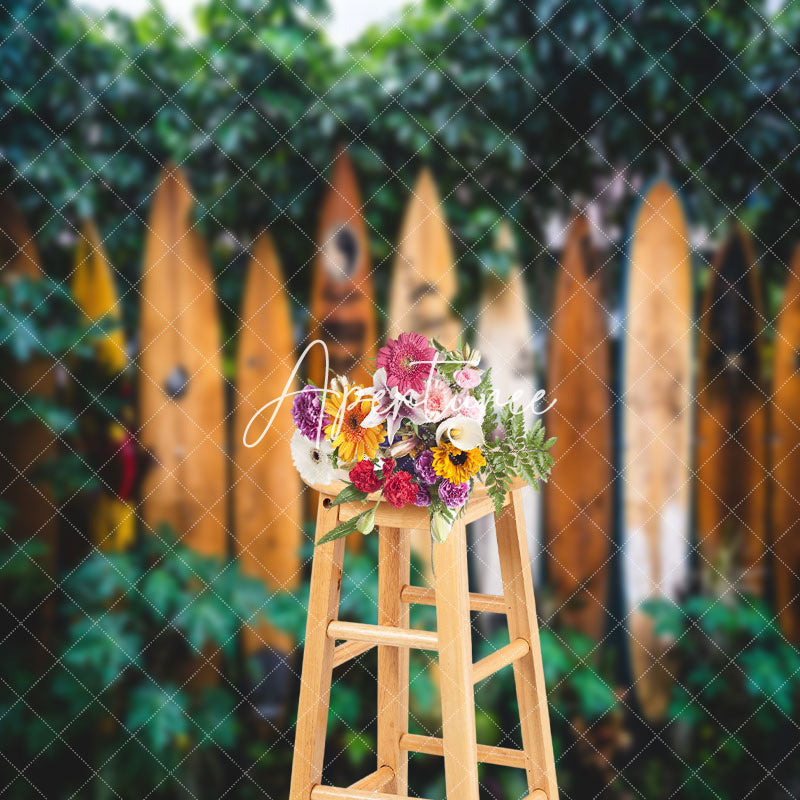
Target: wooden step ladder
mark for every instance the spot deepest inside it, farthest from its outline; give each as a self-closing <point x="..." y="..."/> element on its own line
<point x="453" y="641"/>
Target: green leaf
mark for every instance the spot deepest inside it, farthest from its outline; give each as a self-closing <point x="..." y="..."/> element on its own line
<point x="348" y="495"/>
<point x="343" y="529"/>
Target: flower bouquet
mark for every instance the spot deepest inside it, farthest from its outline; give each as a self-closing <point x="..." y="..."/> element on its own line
<point x="425" y="431"/>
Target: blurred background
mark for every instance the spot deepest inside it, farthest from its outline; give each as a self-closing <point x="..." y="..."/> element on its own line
<point x="601" y="196"/>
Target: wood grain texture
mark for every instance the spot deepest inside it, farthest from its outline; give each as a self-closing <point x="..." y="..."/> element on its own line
<point x="181" y="388"/>
<point x="732" y="423"/>
<point x="27" y="446"/>
<point x="656" y="435"/>
<point x="394" y="570"/>
<point x="424" y="277"/>
<point x="315" y="680"/>
<point x="505" y="339"/>
<point x="267" y="497"/>
<point x="455" y="665"/>
<point x="785" y="457"/>
<point x="342" y="307"/>
<point x="579" y="495"/>
<point x="534" y="715"/>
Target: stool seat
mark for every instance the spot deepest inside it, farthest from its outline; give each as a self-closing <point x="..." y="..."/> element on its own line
<point x="452" y="640"/>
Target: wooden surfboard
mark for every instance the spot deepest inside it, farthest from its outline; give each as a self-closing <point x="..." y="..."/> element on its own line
<point x="785" y="457"/>
<point x="113" y="523"/>
<point x="31" y="444"/>
<point x="181" y="388"/>
<point x="505" y="340"/>
<point x="423" y="285"/>
<point x="267" y="496"/>
<point x="656" y="430"/>
<point x="578" y="496"/>
<point x="424" y="279"/>
<point x="342" y="307"/>
<point x="732" y="424"/>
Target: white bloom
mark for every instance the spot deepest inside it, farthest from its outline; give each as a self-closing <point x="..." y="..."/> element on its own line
<point x="440" y="528"/>
<point x="462" y="432"/>
<point x="313" y="463"/>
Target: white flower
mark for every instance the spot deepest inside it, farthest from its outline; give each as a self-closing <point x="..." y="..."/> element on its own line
<point x="440" y="528"/>
<point x="313" y="463"/>
<point x="462" y="432"/>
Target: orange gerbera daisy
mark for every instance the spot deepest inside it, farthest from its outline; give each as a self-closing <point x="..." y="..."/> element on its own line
<point x="347" y="412"/>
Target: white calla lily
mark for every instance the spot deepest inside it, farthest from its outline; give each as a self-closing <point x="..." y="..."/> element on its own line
<point x="462" y="432"/>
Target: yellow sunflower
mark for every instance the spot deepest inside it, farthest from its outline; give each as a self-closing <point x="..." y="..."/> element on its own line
<point x="457" y="466"/>
<point x="345" y="431"/>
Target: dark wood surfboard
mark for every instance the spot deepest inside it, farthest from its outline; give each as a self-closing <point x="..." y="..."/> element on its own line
<point x="30" y="445"/>
<point x="424" y="278"/>
<point x="578" y="497"/>
<point x="732" y="424"/>
<point x="785" y="457"/>
<point x="181" y="387"/>
<point x="656" y="431"/>
<point x="267" y="495"/>
<point x="342" y="306"/>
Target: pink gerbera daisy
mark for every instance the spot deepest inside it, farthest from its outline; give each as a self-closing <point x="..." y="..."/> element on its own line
<point x="407" y="361"/>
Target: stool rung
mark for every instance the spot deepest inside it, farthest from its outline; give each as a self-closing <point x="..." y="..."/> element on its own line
<point x="494" y="662"/>
<point x="383" y="634"/>
<point x="422" y="596"/>
<point x="335" y="793"/>
<point x="375" y="781"/>
<point x="537" y="794"/>
<point x="345" y="652"/>
<point x="487" y="754"/>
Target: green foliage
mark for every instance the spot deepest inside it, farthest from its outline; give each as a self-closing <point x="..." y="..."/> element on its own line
<point x="131" y="680"/>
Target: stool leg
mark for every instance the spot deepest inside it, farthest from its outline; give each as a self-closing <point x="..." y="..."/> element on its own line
<point x="394" y="572"/>
<point x="455" y="666"/>
<point x="315" y="681"/>
<point x="528" y="672"/>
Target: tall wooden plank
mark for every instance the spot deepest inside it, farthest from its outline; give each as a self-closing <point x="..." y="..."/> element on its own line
<point x="732" y="424"/>
<point x="656" y="457"/>
<point x="342" y="306"/>
<point x="785" y="456"/>
<point x="181" y="387"/>
<point x="267" y="497"/>
<point x="505" y="339"/>
<point x="579" y="495"/>
<point x="113" y="521"/>
<point x="315" y="683"/>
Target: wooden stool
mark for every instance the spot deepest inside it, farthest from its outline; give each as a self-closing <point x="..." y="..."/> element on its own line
<point x="453" y="641"/>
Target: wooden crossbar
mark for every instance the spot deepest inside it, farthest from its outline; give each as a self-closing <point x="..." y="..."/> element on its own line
<point x="335" y="793"/>
<point x="422" y="596"/>
<point x="349" y="650"/>
<point x="375" y="781"/>
<point x="383" y="634"/>
<point x="487" y="754"/>
<point x="512" y="652"/>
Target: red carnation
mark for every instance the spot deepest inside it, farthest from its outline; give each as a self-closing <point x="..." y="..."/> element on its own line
<point x="400" y="490"/>
<point x="364" y="478"/>
<point x="388" y="466"/>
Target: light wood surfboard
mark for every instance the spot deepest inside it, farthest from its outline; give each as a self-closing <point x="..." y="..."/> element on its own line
<point x="423" y="285"/>
<point x="656" y="431"/>
<point x="31" y="444"/>
<point x="785" y="457"/>
<point x="113" y="522"/>
<point x="424" y="278"/>
<point x="181" y="388"/>
<point x="267" y="496"/>
<point x="505" y="339"/>
<point x="732" y="424"/>
<point x="579" y="495"/>
<point x="342" y="307"/>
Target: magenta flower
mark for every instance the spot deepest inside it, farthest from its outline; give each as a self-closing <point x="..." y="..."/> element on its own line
<point x="454" y="495"/>
<point x="467" y="378"/>
<point x="408" y="361"/>
<point x="391" y="406"/>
